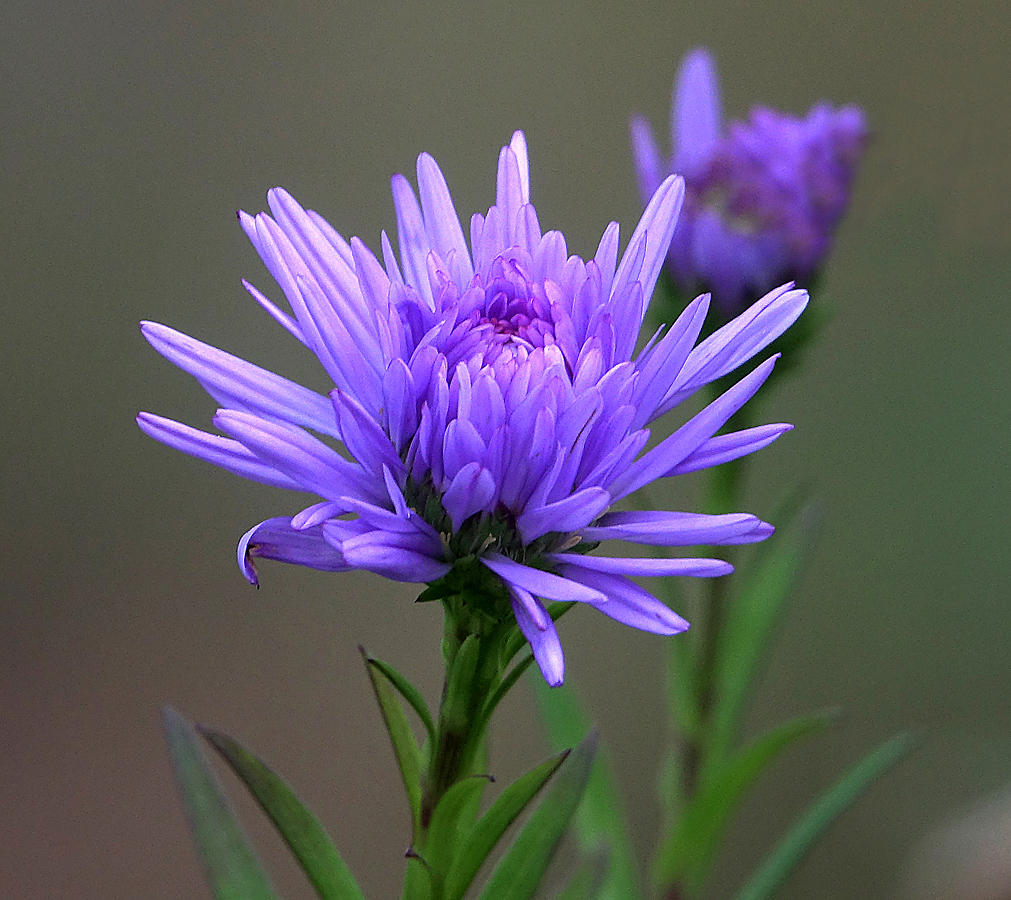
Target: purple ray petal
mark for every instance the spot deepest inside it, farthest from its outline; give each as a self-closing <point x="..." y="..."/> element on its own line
<point x="544" y="642"/>
<point x="276" y="539"/>
<point x="649" y="567"/>
<point x="569" y="514"/>
<point x="726" y="447"/>
<point x="392" y="556"/>
<point x="221" y="451"/>
<point x="237" y="384"/>
<point x="538" y="582"/>
<point x="689" y="437"/>
<point x="672" y="529"/>
<point x="628" y="603"/>
<point x="696" y="113"/>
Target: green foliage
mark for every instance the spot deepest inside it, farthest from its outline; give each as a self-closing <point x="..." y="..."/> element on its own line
<point x="689" y="849"/>
<point x="520" y="871"/>
<point x="787" y="855"/>
<point x="484" y="837"/>
<point x="232" y="868"/>
<point x="300" y="829"/>
<point x="405" y="745"/>
<point x="600" y="824"/>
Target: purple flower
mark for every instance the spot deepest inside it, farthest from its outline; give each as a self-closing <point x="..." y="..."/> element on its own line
<point x="762" y="199"/>
<point x="488" y="403"/>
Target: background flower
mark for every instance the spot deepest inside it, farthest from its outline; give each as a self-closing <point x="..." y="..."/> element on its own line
<point x="763" y="196"/>
<point x="488" y="402"/>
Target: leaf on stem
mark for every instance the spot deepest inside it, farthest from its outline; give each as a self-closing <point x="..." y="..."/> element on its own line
<point x="300" y="829"/>
<point x="787" y="855"/>
<point x="409" y="692"/>
<point x="231" y="866"/>
<point x="493" y="824"/>
<point x="405" y="745"/>
<point x="689" y="849"/>
<point x="521" y="869"/>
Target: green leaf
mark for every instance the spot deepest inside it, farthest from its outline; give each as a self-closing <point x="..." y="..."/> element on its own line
<point x="300" y="829"/>
<point x="781" y="862"/>
<point x="492" y="825"/>
<point x="764" y="587"/>
<point x="599" y="821"/>
<point x="689" y="849"/>
<point x="232" y="868"/>
<point x="405" y="745"/>
<point x="521" y="869"/>
<point x="409" y="692"/>
<point x="449" y="819"/>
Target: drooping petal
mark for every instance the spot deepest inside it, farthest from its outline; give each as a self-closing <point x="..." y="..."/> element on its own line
<point x="396" y="556"/>
<point x="276" y="539"/>
<point x="540" y="632"/>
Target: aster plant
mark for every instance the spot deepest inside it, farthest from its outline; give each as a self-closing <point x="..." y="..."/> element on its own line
<point x="489" y="415"/>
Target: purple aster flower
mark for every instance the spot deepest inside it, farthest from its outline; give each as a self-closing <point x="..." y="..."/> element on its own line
<point x="488" y="408"/>
<point x="762" y="198"/>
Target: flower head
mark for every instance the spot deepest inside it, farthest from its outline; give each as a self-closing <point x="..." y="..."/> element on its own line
<point x="762" y="198"/>
<point x="488" y="406"/>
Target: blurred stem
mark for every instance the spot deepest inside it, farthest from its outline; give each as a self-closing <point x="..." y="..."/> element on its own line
<point x="723" y="491"/>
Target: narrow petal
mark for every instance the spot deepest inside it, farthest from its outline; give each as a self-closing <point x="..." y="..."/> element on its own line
<point x="442" y="223"/>
<point x="538" y="582"/>
<point x="297" y="454"/>
<point x="569" y="514"/>
<point x="471" y="490"/>
<point x="655" y="229"/>
<point x="215" y="449"/>
<point x="689" y="437"/>
<point x="737" y="341"/>
<point x="414" y="245"/>
<point x="388" y="555"/>
<point x="646" y="158"/>
<point x="276" y="539"/>
<point x="281" y="317"/>
<point x="628" y="603"/>
<point x="696" y="113"/>
<point x="672" y="529"/>
<point x="649" y="567"/>
<point x="237" y="384"/>
<point x="544" y="642"/>
<point x="726" y="447"/>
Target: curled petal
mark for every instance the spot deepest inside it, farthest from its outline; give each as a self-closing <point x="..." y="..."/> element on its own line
<point x="276" y="539"/>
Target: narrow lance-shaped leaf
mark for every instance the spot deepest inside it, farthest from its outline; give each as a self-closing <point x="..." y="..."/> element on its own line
<point x="599" y="820"/>
<point x="232" y="868"/>
<point x="300" y="829"/>
<point x="493" y="824"/>
<point x="405" y="746"/>
<point x="787" y="855"/>
<point x="409" y="692"/>
<point x="520" y="871"/>
<point x="688" y="850"/>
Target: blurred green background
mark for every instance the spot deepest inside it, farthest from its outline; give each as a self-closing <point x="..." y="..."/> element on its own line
<point x="132" y="132"/>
